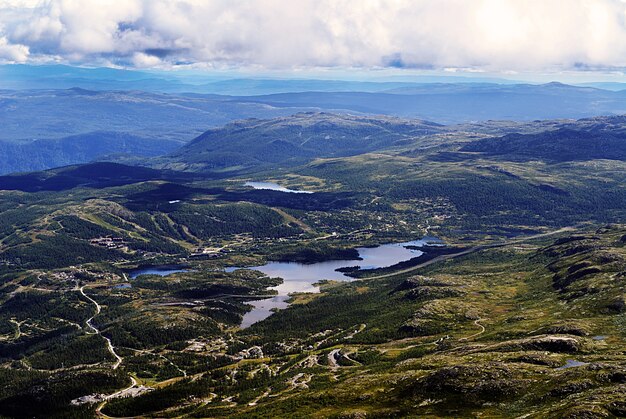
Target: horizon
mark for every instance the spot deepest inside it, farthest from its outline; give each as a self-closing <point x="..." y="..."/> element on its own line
<point x="571" y="42"/>
<point x="198" y="77"/>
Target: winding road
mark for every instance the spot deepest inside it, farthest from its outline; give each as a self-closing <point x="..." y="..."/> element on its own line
<point x="94" y="330"/>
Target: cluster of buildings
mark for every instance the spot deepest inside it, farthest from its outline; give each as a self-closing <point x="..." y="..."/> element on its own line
<point x="108" y="242"/>
<point x="209" y="252"/>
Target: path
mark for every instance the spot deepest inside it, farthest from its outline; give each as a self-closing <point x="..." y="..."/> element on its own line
<point x="169" y="361"/>
<point x="256" y="400"/>
<point x="133" y="390"/>
<point x="482" y="330"/>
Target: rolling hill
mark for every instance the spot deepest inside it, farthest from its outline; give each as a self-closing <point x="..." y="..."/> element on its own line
<point x="294" y="140"/>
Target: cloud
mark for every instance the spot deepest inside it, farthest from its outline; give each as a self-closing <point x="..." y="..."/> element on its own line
<point x="484" y="35"/>
<point x="12" y="52"/>
<point x="141" y="60"/>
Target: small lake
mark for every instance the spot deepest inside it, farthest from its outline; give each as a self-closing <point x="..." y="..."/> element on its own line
<point x="299" y="277"/>
<point x="163" y="270"/>
<point x="273" y="187"/>
<point x="572" y="363"/>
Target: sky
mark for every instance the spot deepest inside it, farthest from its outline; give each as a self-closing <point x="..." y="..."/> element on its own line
<point x="503" y="37"/>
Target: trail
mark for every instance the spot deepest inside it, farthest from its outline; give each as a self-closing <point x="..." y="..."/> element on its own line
<point x="124" y="391"/>
<point x="133" y="390"/>
<point x="256" y="400"/>
<point x="94" y="330"/>
<point x="476" y="322"/>
<point x="359" y="330"/>
<point x="347" y="356"/>
<point x="143" y="352"/>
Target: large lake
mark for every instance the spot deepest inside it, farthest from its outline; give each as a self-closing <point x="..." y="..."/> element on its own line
<point x="298" y="277"/>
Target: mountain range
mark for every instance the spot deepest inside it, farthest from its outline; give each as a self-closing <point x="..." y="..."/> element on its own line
<point x="78" y="125"/>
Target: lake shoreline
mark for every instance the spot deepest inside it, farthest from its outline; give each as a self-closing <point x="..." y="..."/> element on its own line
<point x="305" y="278"/>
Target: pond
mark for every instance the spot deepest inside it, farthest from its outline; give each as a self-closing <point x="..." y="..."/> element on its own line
<point x="299" y="277"/>
<point x="571" y="363"/>
<point x="273" y="187"/>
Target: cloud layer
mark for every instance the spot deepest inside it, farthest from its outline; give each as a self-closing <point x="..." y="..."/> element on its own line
<point x="490" y="35"/>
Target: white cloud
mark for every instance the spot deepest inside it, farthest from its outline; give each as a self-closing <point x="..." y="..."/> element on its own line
<point x="141" y="60"/>
<point x="12" y="52"/>
<point x="484" y="35"/>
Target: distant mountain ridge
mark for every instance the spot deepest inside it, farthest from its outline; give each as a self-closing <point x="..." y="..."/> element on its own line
<point x="183" y="116"/>
<point x="295" y="139"/>
<point x="586" y="139"/>
<point x="49" y="153"/>
<point x="459" y="103"/>
<point x="155" y="122"/>
<point x="21" y="76"/>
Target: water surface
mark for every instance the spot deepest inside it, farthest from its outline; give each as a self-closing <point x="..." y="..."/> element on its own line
<point x="299" y="277"/>
<point x="162" y="270"/>
<point x="263" y="309"/>
<point x="571" y="363"/>
<point x="273" y="187"/>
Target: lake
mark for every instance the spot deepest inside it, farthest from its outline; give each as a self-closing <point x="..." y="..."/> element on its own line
<point x="273" y="187"/>
<point x="299" y="277"/>
<point x="162" y="270"/>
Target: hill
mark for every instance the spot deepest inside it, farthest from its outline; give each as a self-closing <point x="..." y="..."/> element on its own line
<point x="82" y="148"/>
<point x="95" y="175"/>
<point x="77" y="113"/>
<point x="582" y="141"/>
<point x="451" y="103"/>
<point x="296" y="139"/>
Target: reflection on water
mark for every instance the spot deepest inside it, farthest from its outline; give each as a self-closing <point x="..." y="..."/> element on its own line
<point x="298" y="277"/>
<point x="272" y="186"/>
<point x="263" y="309"/>
<point x="156" y="270"/>
<point x="571" y="363"/>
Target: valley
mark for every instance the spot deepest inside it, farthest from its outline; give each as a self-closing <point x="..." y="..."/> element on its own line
<point x="206" y="283"/>
<point x="312" y="209"/>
